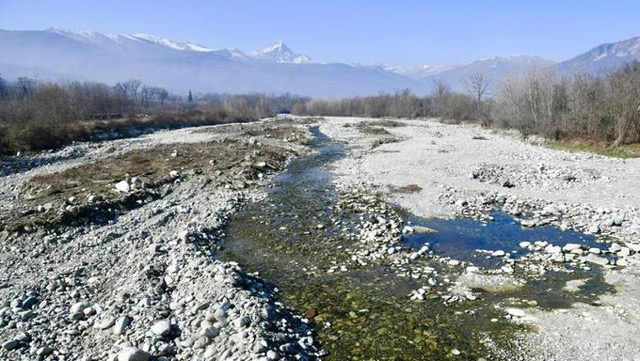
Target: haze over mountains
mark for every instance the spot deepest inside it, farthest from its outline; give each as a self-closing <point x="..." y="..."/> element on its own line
<point x="58" y="55"/>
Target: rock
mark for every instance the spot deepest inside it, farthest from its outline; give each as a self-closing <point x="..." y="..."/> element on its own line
<point x="77" y="316"/>
<point x="595" y="250"/>
<point x="201" y="342"/>
<point x="528" y="223"/>
<point x="498" y="253"/>
<point x="574" y="285"/>
<point x="121" y="324"/>
<point x="615" y="248"/>
<point x="10" y="345"/>
<point x="136" y="183"/>
<point x="525" y="244"/>
<point x="132" y="354"/>
<point x="241" y="321"/>
<point x="592" y="258"/>
<point x="594" y="229"/>
<point x="106" y="323"/>
<point x="551" y="209"/>
<point x="634" y="247"/>
<point x="123" y="186"/>
<point x="161" y="328"/>
<point x="551" y="249"/>
<point x="424" y="230"/>
<point x="209" y="331"/>
<point x="515" y="312"/>
<point x="288" y="348"/>
<point x="174" y="174"/>
<point x="44" y="351"/>
<point x="78" y="307"/>
<point x="570" y="247"/>
<point x="29" y="303"/>
<point x="617" y="221"/>
<point x="624" y="252"/>
<point x="272" y="355"/>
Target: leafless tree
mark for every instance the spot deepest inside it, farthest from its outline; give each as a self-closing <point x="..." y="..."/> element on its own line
<point x="477" y="85"/>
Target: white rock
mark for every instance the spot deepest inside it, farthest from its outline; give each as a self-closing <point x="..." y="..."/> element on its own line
<point x="424" y="230"/>
<point x="592" y="258"/>
<point x="79" y="307"/>
<point x="634" y="247"/>
<point x="525" y="244"/>
<point x="498" y="253"/>
<point x="161" y="328"/>
<point x="106" y="323"/>
<point x="570" y="247"/>
<point x="209" y="331"/>
<point x="624" y="252"/>
<point x="123" y="186"/>
<point x="617" y="220"/>
<point x="551" y="249"/>
<point x="121" y="324"/>
<point x="515" y="312"/>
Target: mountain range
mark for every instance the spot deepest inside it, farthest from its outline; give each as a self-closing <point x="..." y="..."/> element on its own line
<point x="67" y="55"/>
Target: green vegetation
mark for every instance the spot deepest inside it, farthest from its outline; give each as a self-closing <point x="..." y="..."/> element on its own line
<point x="630" y="151"/>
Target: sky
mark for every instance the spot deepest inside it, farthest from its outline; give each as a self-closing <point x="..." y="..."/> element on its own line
<point x="394" y="32"/>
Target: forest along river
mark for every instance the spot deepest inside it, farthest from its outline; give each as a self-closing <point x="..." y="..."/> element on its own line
<point x="364" y="313"/>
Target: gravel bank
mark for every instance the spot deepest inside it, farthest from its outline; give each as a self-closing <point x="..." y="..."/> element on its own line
<point x="145" y="285"/>
<point x="439" y="170"/>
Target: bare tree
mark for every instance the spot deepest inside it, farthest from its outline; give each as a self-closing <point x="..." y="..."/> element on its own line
<point x="477" y="85"/>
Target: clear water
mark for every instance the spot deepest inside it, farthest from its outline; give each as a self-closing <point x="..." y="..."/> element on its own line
<point x="278" y="238"/>
<point x="460" y="238"/>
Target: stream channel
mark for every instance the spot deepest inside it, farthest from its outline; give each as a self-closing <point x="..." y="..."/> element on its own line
<point x="365" y="313"/>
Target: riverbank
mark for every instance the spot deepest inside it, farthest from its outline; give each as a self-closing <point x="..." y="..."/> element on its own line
<point x="438" y="170"/>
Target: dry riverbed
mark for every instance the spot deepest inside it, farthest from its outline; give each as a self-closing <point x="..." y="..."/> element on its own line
<point x="438" y="170"/>
<point x="107" y="250"/>
<point x="123" y="250"/>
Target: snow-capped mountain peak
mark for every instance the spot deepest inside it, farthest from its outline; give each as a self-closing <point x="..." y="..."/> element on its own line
<point x="172" y="44"/>
<point x="99" y="38"/>
<point x="279" y="52"/>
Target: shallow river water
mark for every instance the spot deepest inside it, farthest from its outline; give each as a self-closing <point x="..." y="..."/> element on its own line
<point x="366" y="313"/>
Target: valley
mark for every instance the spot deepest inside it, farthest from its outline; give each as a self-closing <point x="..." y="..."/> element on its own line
<point x="313" y="238"/>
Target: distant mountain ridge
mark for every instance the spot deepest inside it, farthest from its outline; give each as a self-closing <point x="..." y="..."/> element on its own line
<point x="59" y="54"/>
<point x="603" y="57"/>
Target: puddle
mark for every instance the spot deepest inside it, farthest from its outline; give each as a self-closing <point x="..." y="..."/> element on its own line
<point x="461" y="238"/>
<point x="360" y="314"/>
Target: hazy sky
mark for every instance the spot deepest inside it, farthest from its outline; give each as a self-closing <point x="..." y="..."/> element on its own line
<point x="370" y="32"/>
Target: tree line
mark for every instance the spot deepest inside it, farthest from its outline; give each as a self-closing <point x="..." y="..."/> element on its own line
<point x="603" y="109"/>
<point x="43" y="115"/>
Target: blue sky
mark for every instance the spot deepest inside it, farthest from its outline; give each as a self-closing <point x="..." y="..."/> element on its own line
<point x="369" y="32"/>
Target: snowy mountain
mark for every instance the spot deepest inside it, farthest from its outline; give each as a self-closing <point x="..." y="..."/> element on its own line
<point x="56" y="54"/>
<point x="604" y="57"/>
<point x="280" y="53"/>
